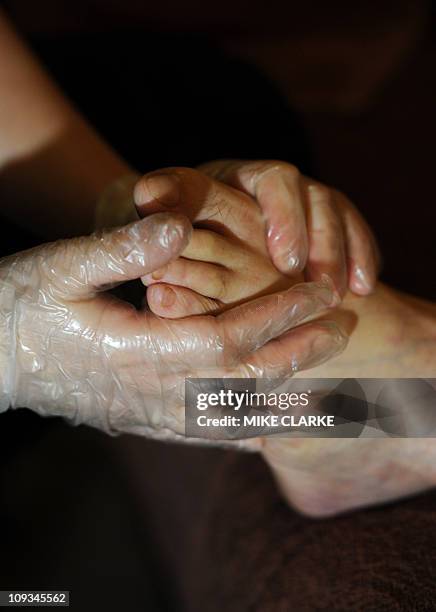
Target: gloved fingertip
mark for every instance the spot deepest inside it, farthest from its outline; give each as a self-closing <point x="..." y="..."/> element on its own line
<point x="309" y="299"/>
<point x="292" y="262"/>
<point x="330" y="340"/>
<point x="288" y="262"/>
<point x="328" y="344"/>
<point x="324" y="341"/>
<point x="164" y="229"/>
<point x="327" y="283"/>
<point x="336" y="333"/>
<point x="147" y="245"/>
<point x="337" y="283"/>
<point x="289" y="256"/>
<point x="361" y="281"/>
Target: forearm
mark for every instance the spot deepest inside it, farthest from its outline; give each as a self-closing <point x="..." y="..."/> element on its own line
<point x="53" y="165"/>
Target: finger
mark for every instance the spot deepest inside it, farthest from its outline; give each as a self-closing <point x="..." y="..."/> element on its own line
<point x="115" y="256"/>
<point x="204" y="201"/>
<point x="362" y="250"/>
<point x="208" y="279"/>
<point x="299" y="349"/>
<point x="224" y="341"/>
<point x="248" y="327"/>
<point x="278" y="189"/>
<point x="326" y="238"/>
<point x="174" y="302"/>
<point x="213" y="248"/>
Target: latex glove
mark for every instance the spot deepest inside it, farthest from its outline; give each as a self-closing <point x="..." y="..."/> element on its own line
<point x="67" y="349"/>
<point x="310" y="226"/>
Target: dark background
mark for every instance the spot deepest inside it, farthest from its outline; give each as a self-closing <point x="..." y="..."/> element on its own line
<point x="346" y="92"/>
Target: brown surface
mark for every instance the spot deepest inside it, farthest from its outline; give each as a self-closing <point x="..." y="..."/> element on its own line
<point x="262" y="556"/>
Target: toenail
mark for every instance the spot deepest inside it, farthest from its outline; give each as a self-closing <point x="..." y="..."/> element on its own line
<point x="163" y="188"/>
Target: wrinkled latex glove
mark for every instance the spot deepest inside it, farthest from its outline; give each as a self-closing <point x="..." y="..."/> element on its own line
<point x="310" y="227"/>
<point x="70" y="349"/>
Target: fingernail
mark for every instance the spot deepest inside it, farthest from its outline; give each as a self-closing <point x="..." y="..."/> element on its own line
<point x="161" y="188"/>
<point x="167" y="297"/>
<point x="362" y="282"/>
<point x="324" y="289"/>
<point x="326" y="345"/>
<point x="155" y="240"/>
<point x="160" y="229"/>
<point x="334" y="341"/>
<point x="287" y="261"/>
<point x="327" y="281"/>
<point x="291" y="261"/>
<point x="329" y="342"/>
<point x="321" y="295"/>
<point x="285" y="258"/>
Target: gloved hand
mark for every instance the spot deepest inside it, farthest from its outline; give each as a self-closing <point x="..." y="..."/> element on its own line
<point x="68" y="349"/>
<point x="310" y="227"/>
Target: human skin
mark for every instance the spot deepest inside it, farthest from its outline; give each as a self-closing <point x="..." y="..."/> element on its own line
<point x="308" y="223"/>
<point x="392" y="335"/>
<point x="313" y="226"/>
<point x="66" y="164"/>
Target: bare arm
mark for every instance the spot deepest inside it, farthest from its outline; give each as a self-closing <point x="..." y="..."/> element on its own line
<point x="53" y="165"/>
